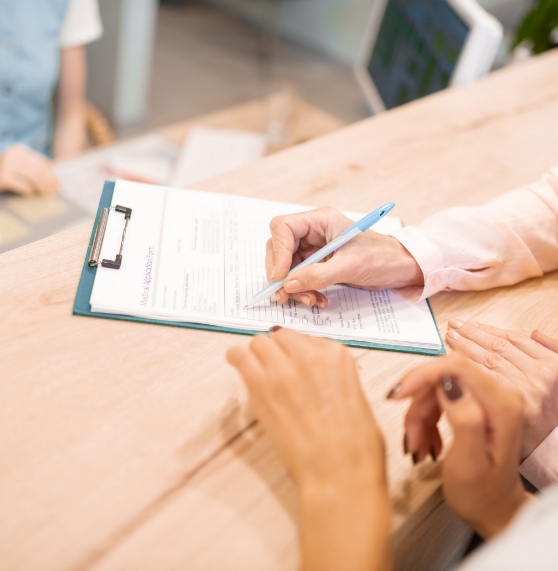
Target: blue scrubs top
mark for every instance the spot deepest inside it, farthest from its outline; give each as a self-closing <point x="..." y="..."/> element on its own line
<point x="29" y="68"/>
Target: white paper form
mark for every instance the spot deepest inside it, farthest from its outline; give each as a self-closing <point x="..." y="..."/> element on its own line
<point x="208" y="152"/>
<point x="199" y="257"/>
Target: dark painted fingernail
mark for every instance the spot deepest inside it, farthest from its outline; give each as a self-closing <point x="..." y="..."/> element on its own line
<point x="433" y="454"/>
<point x="274" y="329"/>
<point x="451" y="387"/>
<point x="415" y="457"/>
<point x="396" y="389"/>
<point x="405" y="447"/>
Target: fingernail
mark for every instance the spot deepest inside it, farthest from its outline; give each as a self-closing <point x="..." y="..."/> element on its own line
<point x="451" y="388"/>
<point x="452" y="334"/>
<point x="405" y="447"/>
<point x="293" y="286"/>
<point x="277" y="296"/>
<point x="433" y="454"/>
<point x="306" y="299"/>
<point x="275" y="328"/>
<point x="455" y="323"/>
<point x="415" y="457"/>
<point x="396" y="389"/>
<point x="320" y="303"/>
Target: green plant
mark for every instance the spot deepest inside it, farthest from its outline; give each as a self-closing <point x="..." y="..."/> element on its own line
<point x="538" y="25"/>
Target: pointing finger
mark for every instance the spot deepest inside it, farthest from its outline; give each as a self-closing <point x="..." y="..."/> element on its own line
<point x="469" y="426"/>
<point x="545" y="341"/>
<point x="497" y="349"/>
<point x="309" y="298"/>
<point x="247" y="364"/>
<point x="516" y="338"/>
<point x="422" y="416"/>
<point x="318" y="276"/>
<point x="286" y="231"/>
<point x="269" y="260"/>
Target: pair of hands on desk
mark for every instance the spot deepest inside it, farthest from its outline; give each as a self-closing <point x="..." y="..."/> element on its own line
<point x="307" y="395"/>
<point x="510" y="358"/>
<point x="26" y="172"/>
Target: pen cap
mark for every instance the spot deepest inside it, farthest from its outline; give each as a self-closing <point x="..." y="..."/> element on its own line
<point x="365" y="223"/>
<point x="370" y="219"/>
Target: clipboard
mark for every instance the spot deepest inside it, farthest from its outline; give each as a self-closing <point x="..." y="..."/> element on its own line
<point x="82" y="306"/>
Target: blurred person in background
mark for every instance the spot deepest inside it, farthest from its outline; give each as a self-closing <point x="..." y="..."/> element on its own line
<point x="42" y="69"/>
<point x="306" y="394"/>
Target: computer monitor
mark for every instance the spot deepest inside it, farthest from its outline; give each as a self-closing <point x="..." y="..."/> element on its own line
<point x="416" y="47"/>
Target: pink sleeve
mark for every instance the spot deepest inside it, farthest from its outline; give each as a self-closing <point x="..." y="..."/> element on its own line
<point x="541" y="467"/>
<point x="502" y="242"/>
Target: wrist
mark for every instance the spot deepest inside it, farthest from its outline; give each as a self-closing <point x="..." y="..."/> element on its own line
<point x="354" y="503"/>
<point x="400" y="267"/>
<point x="364" y="476"/>
<point x="495" y="523"/>
<point x="409" y="272"/>
<point x="339" y="493"/>
<point x="345" y="529"/>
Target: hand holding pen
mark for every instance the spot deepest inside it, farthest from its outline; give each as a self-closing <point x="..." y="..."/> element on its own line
<point x="369" y="261"/>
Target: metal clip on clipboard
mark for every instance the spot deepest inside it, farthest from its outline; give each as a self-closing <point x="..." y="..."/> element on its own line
<point x="100" y="236"/>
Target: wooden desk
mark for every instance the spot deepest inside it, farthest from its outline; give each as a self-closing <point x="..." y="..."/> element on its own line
<point x="131" y="446"/>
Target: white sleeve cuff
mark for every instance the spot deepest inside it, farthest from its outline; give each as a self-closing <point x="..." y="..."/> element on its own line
<point x="82" y="24"/>
<point x="541" y="467"/>
<point x="428" y="255"/>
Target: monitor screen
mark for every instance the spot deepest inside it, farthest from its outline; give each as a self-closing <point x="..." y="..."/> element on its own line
<point x="416" y="49"/>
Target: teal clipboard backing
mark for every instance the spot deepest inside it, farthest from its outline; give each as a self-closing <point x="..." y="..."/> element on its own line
<point x="83" y="295"/>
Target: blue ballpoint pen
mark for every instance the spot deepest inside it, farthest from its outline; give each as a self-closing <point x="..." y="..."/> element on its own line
<point x="358" y="227"/>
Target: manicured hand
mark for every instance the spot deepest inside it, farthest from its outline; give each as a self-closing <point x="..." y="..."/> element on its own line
<point x="26" y="172"/>
<point x="370" y="261"/>
<point x="306" y="393"/>
<point x="480" y="478"/>
<point x="529" y="363"/>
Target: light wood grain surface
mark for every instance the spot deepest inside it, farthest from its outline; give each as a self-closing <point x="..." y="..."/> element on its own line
<point x="132" y="446"/>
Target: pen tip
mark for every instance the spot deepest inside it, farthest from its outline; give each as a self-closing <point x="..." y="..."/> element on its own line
<point x="245" y="307"/>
